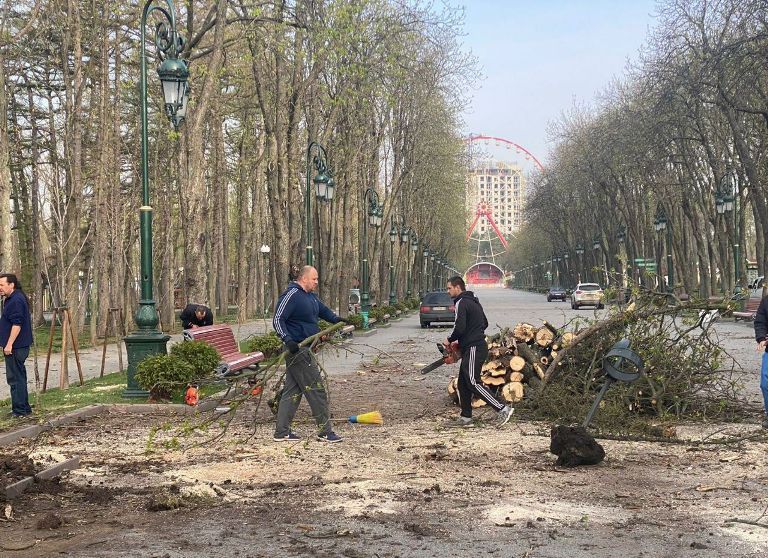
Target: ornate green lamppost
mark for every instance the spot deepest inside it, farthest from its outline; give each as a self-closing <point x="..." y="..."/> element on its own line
<point x="324" y="189"/>
<point x="727" y="202"/>
<point x="411" y="262"/>
<point x="660" y="223"/>
<point x="265" y="250"/>
<point x="621" y="236"/>
<point x="373" y="218"/>
<point x="393" y="235"/>
<point x="580" y="254"/>
<point x="148" y="340"/>
<point x="425" y="260"/>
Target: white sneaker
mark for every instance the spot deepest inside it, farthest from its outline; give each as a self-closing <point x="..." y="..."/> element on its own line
<point x="504" y="415"/>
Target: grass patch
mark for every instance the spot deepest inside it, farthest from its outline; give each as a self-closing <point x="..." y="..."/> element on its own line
<point x="106" y="390"/>
<point x="43" y="336"/>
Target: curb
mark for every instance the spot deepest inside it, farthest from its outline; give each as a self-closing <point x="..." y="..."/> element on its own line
<point x="16" y="489"/>
<point x="365" y="332"/>
<point x="94" y="410"/>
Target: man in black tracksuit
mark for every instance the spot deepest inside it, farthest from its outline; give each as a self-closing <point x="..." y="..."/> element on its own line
<point x="469" y="331"/>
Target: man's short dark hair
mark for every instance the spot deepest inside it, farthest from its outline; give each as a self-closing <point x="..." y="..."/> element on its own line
<point x="457" y="281"/>
<point x="11" y="278"/>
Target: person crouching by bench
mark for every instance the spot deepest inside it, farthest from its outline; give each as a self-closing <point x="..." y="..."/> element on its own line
<point x="296" y="315"/>
<point x="196" y="315"/>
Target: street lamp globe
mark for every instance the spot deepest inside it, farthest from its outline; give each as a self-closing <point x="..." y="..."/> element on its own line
<point x="173" y="74"/>
<point x="264" y="250"/>
<point x="321" y="180"/>
<point x="393" y="234"/>
<point x="579" y="250"/>
<point x="330" y="188"/>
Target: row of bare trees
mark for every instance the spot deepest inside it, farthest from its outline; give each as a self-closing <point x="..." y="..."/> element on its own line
<point x="377" y="82"/>
<point x="686" y="125"/>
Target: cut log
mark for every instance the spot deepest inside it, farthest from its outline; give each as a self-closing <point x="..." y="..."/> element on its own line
<point x="567" y="339"/>
<point x="524" y="332"/>
<point x="493" y="380"/>
<point x="501" y="371"/>
<point x="516" y="377"/>
<point x="544" y="360"/>
<point x="491" y="365"/>
<point x="527" y="353"/>
<point x="544" y="337"/>
<point x="551" y="328"/>
<point x="512" y="392"/>
<point x="516" y="363"/>
<point x="539" y="370"/>
<point x="477" y="402"/>
<point x="453" y="390"/>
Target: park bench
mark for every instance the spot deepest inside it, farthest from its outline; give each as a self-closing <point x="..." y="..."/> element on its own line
<point x="750" y="308"/>
<point x="221" y="338"/>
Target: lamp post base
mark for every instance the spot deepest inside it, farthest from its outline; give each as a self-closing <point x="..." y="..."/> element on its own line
<point x="140" y="345"/>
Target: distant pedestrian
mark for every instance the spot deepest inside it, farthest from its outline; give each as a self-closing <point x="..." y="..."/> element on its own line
<point x="469" y="331"/>
<point x="16" y="338"/>
<point x="296" y="316"/>
<point x="196" y="315"/>
<point x="761" y="336"/>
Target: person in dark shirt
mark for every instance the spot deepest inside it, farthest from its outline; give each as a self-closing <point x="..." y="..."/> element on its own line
<point x="761" y="336"/>
<point x="196" y="315"/>
<point x="296" y="315"/>
<point x="469" y="330"/>
<point x="15" y="338"/>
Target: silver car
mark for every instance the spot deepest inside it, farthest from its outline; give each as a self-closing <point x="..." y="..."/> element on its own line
<point x="587" y="294"/>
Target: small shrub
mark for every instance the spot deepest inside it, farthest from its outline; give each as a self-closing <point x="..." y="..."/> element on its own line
<point x="270" y="344"/>
<point x="198" y="354"/>
<point x="356" y="320"/>
<point x="162" y="374"/>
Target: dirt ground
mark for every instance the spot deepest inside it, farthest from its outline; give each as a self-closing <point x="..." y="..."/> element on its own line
<point x="407" y="488"/>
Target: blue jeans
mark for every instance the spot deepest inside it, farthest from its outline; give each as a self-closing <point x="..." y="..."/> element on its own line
<point x="16" y="375"/>
<point x="764" y="381"/>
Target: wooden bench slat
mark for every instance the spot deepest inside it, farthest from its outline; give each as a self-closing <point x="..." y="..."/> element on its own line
<point x="222" y="338"/>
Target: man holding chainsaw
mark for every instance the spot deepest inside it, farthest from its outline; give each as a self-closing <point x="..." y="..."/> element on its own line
<point x="469" y="331"/>
<point x="296" y="316"/>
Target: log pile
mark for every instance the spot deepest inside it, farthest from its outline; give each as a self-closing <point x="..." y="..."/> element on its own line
<point x="517" y="360"/>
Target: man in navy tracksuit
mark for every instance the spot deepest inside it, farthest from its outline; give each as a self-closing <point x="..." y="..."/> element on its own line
<point x="296" y="315"/>
<point x="761" y="336"/>
<point x="15" y="338"/>
<point x="469" y="331"/>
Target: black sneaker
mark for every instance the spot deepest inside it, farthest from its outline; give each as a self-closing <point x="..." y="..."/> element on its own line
<point x="290" y="437"/>
<point x="330" y="437"/>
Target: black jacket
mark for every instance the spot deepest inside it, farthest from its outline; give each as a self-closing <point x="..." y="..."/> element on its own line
<point x="469" y="328"/>
<point x="188" y="317"/>
<point x="761" y="321"/>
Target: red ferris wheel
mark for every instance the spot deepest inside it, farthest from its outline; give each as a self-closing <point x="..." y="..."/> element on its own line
<point x="501" y="142"/>
<point x="484" y="237"/>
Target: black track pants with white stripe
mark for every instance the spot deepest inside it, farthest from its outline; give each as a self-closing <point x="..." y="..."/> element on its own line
<point x="472" y="360"/>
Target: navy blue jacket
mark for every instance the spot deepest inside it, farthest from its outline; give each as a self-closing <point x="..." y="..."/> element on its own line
<point x="16" y="312"/>
<point x="297" y="312"/>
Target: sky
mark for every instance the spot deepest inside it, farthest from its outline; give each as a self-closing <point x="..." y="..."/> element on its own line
<point x="540" y="57"/>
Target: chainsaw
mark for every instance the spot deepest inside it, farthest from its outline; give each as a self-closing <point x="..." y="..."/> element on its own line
<point x="450" y="354"/>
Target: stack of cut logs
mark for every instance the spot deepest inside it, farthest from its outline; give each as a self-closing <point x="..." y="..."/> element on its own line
<point x="517" y="359"/>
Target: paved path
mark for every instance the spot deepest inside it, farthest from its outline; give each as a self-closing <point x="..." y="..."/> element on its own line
<point x="504" y="307"/>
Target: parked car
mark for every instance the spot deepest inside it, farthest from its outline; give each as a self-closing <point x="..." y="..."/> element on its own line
<point x="556" y="293"/>
<point x="436" y="307"/>
<point x="587" y="294"/>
